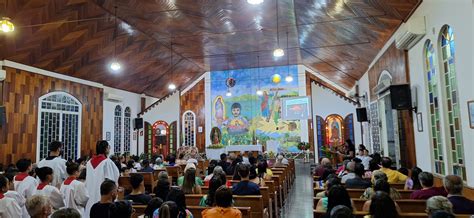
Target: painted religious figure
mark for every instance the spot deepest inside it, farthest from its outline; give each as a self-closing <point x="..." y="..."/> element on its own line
<point x="216" y="136"/>
<point x="264" y="106"/>
<point x="219" y="110"/>
<point x="237" y="124"/>
<point x="334" y="130"/>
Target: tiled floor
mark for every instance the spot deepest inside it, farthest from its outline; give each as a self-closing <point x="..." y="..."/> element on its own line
<point x="300" y="200"/>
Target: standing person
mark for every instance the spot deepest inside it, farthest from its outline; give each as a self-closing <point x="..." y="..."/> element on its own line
<point x="9" y="208"/>
<point x="55" y="162"/>
<point x="24" y="184"/>
<point x="99" y="168"/>
<point x="74" y="191"/>
<point x="45" y="174"/>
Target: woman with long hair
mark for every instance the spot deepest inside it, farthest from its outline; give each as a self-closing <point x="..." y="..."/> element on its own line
<point x="214" y="184"/>
<point x="168" y="209"/>
<point x="382" y="206"/>
<point x="189" y="184"/>
<point x="177" y="195"/>
<point x="337" y="195"/>
<point x="163" y="185"/>
<point x="263" y="171"/>
<point x="413" y="183"/>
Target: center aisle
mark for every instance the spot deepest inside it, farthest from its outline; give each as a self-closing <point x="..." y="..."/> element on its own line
<point x="300" y="200"/>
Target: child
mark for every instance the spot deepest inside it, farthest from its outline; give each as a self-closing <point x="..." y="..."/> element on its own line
<point x="23" y="183"/>
<point x="73" y="191"/>
<point x="11" y="193"/>
<point x="8" y="206"/>
<point x="45" y="175"/>
<point x="237" y="124"/>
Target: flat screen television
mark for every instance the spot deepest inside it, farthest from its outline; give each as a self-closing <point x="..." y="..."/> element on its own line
<point x="296" y="108"/>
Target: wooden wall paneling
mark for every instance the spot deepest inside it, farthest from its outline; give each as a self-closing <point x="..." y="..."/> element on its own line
<point x="194" y="100"/>
<point x="395" y="61"/>
<point x="22" y="91"/>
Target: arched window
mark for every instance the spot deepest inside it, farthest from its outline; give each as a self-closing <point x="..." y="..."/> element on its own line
<point x="450" y="94"/>
<point x="59" y="119"/>
<point x="127" y="132"/>
<point x="434" y="113"/>
<point x="189" y="128"/>
<point x="117" y="129"/>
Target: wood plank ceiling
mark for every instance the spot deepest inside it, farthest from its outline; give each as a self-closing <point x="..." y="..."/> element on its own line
<point x="338" y="38"/>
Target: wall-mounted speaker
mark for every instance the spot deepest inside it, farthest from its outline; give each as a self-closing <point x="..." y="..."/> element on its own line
<point x="138" y="124"/>
<point x="400" y="96"/>
<point x="3" y="116"/>
<point x="361" y="114"/>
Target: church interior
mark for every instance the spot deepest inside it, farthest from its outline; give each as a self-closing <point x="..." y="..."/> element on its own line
<point x="308" y="90"/>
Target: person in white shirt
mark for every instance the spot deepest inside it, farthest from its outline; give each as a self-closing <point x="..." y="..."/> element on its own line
<point x="74" y="192"/>
<point x="38" y="206"/>
<point x="9" y="208"/>
<point x="99" y="168"/>
<point x="55" y="162"/>
<point x="11" y="193"/>
<point x="45" y="174"/>
<point x="363" y="155"/>
<point x="24" y="184"/>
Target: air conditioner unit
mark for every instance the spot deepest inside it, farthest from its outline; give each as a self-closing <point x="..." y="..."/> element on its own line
<point x="113" y="98"/>
<point x="410" y="33"/>
<point x="3" y="75"/>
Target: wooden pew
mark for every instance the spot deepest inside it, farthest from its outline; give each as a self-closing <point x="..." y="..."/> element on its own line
<point x="193" y="199"/>
<point x="255" y="202"/>
<point x="139" y="210"/>
<point x="174" y="172"/>
<point x="197" y="211"/>
<point x="273" y="196"/>
<point x="356" y="193"/>
<point x="157" y="172"/>
<point x="124" y="181"/>
<point x="267" y="201"/>
<point x="278" y="189"/>
<point x="406" y="205"/>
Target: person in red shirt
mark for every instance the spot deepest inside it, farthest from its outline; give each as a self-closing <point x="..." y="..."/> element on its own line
<point x="427" y="191"/>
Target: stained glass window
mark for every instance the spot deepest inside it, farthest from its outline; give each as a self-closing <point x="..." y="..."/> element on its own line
<point x="189" y="128"/>
<point x="148" y="139"/>
<point x="434" y="107"/>
<point x="117" y="129"/>
<point x="320" y="128"/>
<point x="127" y="132"/>
<point x="172" y="137"/>
<point x="374" y="127"/>
<point x="452" y="115"/>
<point x="59" y="120"/>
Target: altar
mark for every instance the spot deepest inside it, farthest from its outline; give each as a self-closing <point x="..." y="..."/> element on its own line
<point x="214" y="154"/>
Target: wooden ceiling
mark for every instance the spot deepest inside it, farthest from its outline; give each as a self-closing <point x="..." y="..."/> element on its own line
<point x="338" y="38"/>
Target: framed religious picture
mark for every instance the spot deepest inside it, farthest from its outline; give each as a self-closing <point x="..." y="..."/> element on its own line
<point x="470" y="111"/>
<point x="419" y="121"/>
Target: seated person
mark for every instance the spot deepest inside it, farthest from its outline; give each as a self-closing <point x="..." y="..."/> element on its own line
<point x="153" y="205"/>
<point x="163" y="185"/>
<point x="198" y="180"/>
<point x="121" y="209"/>
<point x="210" y="171"/>
<point x="427" y="191"/>
<point x="108" y="193"/>
<point x="337" y="195"/>
<point x="181" y="160"/>
<point x="245" y="187"/>
<point x="38" y="206"/>
<point x="223" y="163"/>
<point x="350" y="172"/>
<point x="413" y="183"/>
<point x="381" y="205"/>
<point x="167" y="209"/>
<point x="223" y="205"/>
<point x="214" y="184"/>
<point x="438" y="203"/>
<point x="393" y="175"/>
<point x="146" y="167"/>
<point x="330" y="182"/>
<point x="358" y="182"/>
<point x="190" y="182"/>
<point x="138" y="196"/>
<point x="454" y="185"/>
<point x="263" y="171"/>
<point x="324" y="165"/>
<point x="66" y="212"/>
<point x="255" y="178"/>
<point x="380" y="184"/>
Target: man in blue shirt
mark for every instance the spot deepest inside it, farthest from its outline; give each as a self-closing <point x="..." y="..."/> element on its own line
<point x="461" y="205"/>
<point x="245" y="187"/>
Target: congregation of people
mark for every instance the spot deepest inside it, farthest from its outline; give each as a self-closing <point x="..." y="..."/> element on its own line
<point x="377" y="177"/>
<point x="89" y="187"/>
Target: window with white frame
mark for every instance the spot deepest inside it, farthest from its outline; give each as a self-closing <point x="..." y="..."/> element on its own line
<point x="127" y="130"/>
<point x="117" y="129"/>
<point x="59" y="119"/>
<point x="189" y="128"/>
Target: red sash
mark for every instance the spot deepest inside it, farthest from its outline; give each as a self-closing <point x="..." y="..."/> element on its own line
<point x="69" y="180"/>
<point x="96" y="160"/>
<point x="1" y="196"/>
<point x="21" y="176"/>
<point x="42" y="185"/>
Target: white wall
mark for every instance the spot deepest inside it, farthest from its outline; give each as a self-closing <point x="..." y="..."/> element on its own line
<point x="457" y="14"/>
<point x="326" y="103"/>
<point x="363" y="91"/>
<point x="167" y="110"/>
<point x="131" y="100"/>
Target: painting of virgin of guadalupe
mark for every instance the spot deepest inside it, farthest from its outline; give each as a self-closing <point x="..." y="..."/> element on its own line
<point x="219" y="110"/>
<point x="334" y="130"/>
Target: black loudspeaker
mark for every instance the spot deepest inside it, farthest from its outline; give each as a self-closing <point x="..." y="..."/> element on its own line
<point x="361" y="114"/>
<point x="138" y="123"/>
<point x="3" y="116"/>
<point x="400" y="96"/>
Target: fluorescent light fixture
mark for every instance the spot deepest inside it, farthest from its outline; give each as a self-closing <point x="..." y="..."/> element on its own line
<point x="278" y="52"/>
<point x="255" y="2"/>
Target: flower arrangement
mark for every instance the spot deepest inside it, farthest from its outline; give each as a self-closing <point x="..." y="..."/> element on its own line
<point x="215" y="146"/>
<point x="303" y="146"/>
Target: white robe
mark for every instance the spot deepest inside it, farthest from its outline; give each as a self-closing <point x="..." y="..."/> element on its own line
<point x="9" y="208"/>
<point x="26" y="188"/>
<point x="75" y="195"/>
<point x="95" y="177"/>
<point x="59" y="168"/>
<point x="20" y="200"/>
<point x="54" y="195"/>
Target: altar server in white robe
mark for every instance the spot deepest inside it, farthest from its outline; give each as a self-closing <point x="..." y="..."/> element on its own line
<point x="45" y="174"/>
<point x="9" y="208"/>
<point x="24" y="184"/>
<point x="74" y="192"/>
<point x="11" y="193"/>
<point x="56" y="162"/>
<point x="99" y="168"/>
